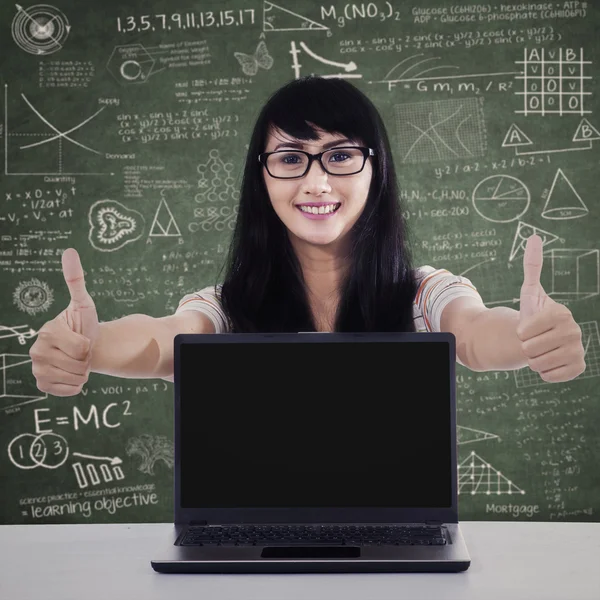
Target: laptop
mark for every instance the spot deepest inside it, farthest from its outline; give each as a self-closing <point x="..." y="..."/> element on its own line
<point x="314" y="452"/>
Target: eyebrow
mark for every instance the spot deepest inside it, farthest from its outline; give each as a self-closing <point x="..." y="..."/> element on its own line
<point x="300" y="145"/>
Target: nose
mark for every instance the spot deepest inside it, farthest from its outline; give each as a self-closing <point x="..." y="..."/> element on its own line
<point x="316" y="180"/>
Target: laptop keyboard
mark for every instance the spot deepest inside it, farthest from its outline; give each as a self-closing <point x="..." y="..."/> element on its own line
<point x="355" y="535"/>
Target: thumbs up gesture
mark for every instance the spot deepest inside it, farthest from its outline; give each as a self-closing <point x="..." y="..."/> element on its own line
<point x="550" y="337"/>
<point x="61" y="357"/>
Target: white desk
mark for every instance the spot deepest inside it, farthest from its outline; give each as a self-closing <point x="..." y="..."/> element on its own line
<point x="532" y="561"/>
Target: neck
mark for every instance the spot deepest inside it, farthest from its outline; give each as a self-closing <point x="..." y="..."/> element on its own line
<point x="323" y="268"/>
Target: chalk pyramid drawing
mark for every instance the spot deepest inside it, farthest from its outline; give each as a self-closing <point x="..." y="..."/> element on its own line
<point x="277" y="18"/>
<point x="525" y="230"/>
<point x="16" y="387"/>
<point x="466" y="435"/>
<point x="563" y="201"/>
<point x="477" y="476"/>
<point x="170" y="229"/>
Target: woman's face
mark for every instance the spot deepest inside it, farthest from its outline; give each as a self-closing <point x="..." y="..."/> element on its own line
<point x="348" y="193"/>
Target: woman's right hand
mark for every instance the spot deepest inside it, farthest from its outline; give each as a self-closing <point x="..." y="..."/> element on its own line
<point x="62" y="354"/>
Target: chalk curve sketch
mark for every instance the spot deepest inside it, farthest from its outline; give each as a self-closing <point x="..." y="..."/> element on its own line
<point x="33" y="296"/>
<point x="40" y="29"/>
<point x="113" y="225"/>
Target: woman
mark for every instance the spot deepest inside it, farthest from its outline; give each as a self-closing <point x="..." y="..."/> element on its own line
<point x="319" y="245"/>
<point x="346" y="270"/>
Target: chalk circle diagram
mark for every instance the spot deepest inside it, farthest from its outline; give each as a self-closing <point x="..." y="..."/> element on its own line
<point x="40" y="29"/>
<point x="33" y="296"/>
<point x="501" y="198"/>
<point x="113" y="225"/>
<point x="29" y="451"/>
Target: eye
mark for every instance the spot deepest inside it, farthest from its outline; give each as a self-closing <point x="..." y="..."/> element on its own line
<point x="340" y="153"/>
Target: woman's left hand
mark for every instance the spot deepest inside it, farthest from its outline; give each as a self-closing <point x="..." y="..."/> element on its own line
<point x="550" y="337"/>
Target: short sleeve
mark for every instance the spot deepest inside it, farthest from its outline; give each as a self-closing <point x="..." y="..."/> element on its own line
<point x="206" y="301"/>
<point x="437" y="287"/>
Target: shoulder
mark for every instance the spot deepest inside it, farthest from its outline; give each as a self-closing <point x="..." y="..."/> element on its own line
<point x="206" y="300"/>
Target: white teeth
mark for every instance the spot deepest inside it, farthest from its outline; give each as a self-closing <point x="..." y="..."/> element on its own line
<point x="319" y="210"/>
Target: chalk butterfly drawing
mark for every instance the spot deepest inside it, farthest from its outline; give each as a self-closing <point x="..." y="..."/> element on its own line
<point x="251" y="62"/>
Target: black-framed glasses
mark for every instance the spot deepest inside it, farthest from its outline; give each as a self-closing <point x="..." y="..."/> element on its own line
<point x="339" y="161"/>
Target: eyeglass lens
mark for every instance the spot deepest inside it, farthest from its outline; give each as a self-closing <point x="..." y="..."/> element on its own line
<point x="338" y="161"/>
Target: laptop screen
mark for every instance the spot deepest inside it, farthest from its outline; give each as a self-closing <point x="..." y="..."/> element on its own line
<point x="340" y="424"/>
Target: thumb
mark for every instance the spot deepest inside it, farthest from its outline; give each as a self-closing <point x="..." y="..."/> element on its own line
<point x="81" y="313"/>
<point x="531" y="290"/>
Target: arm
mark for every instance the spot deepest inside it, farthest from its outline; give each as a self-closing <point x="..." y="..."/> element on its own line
<point x="486" y="338"/>
<point x="141" y="347"/>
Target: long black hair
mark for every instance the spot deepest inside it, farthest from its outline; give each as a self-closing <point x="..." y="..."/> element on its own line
<point x="263" y="289"/>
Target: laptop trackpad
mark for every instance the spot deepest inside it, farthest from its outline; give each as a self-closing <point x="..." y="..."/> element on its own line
<point x="291" y="552"/>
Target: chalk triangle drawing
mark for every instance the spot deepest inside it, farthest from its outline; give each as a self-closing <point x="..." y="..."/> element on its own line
<point x="276" y="18"/>
<point x="515" y="137"/>
<point x="477" y="476"/>
<point x="524" y="231"/>
<point x="466" y="435"/>
<point x="586" y="132"/>
<point x="157" y="229"/>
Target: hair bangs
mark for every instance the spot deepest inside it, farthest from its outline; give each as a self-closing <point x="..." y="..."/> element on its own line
<point x="331" y="105"/>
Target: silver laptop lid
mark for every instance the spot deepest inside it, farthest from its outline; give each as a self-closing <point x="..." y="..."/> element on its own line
<point x="313" y="427"/>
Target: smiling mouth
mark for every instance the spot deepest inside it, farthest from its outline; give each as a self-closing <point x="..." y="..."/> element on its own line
<point x="324" y="209"/>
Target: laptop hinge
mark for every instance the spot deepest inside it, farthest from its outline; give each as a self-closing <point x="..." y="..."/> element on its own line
<point x="434" y="522"/>
<point x="198" y="523"/>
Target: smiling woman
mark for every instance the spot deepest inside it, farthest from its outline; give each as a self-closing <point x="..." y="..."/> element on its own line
<point x="320" y="243"/>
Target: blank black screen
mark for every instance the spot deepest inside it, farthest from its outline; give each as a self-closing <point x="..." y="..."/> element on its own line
<point x="316" y="424"/>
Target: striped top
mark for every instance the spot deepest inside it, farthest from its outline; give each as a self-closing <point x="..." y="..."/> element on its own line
<point x="436" y="287"/>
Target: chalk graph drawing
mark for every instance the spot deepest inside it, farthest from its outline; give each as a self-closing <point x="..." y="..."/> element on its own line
<point x="467" y="435"/>
<point x="277" y="18"/>
<point x="97" y="470"/>
<point x="477" y="476"/>
<point x="50" y="151"/>
<point x="113" y="225"/>
<point x="40" y="29"/>
<point x="16" y="385"/>
<point x="151" y="449"/>
<point x="501" y="198"/>
<point x="590" y="339"/>
<point x="440" y="130"/>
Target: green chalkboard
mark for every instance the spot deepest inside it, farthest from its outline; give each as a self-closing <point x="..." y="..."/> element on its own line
<point x="123" y="133"/>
